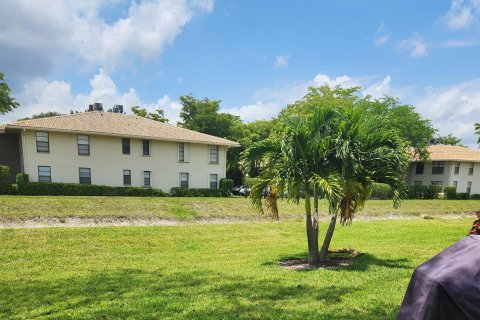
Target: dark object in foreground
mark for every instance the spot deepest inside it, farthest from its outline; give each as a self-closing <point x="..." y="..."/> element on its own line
<point x="447" y="286"/>
<point x="476" y="224"/>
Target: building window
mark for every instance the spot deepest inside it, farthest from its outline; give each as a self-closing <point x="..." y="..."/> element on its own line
<point x="418" y="183"/>
<point x="214" y="181"/>
<point x="455" y="184"/>
<point x="127" y="177"/>
<point x="146" y="147"/>
<point x="438" y="167"/>
<point x="146" y="178"/>
<point x="469" y="187"/>
<point x="470" y="168"/>
<point x="43" y="144"/>
<point x="419" y="168"/>
<point x="184" y="180"/>
<point x="85" y="175"/>
<point x="44" y="174"/>
<point x="125" y="146"/>
<point x="457" y="168"/>
<point x="213" y="154"/>
<point x="438" y="183"/>
<point x="181" y="152"/>
<point x="83" y="142"/>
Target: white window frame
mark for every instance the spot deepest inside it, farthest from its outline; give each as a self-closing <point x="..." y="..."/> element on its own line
<point x="471" y="168"/>
<point x="80" y="142"/>
<point x="149" y="148"/>
<point x="42" y="169"/>
<point x="210" y="180"/>
<point x="125" y="175"/>
<point x="42" y="138"/>
<point x="217" y="152"/>
<point x="186" y="152"/>
<point x="149" y="179"/>
<point x="80" y="175"/>
<point x="180" y="179"/>
<point x="456" y="169"/>
<point x="469" y="187"/>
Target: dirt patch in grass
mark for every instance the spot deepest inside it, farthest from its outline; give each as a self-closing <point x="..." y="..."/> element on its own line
<point x="336" y="259"/>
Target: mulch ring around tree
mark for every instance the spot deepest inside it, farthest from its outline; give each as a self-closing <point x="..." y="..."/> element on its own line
<point x="337" y="259"/>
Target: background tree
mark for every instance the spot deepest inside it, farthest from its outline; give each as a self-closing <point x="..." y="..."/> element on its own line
<point x="7" y="103"/>
<point x="158" y="115"/>
<point x="477" y="132"/>
<point x="40" y="115"/>
<point x="447" y="140"/>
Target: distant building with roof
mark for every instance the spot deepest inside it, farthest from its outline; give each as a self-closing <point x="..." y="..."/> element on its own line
<point x="113" y="149"/>
<point x="448" y="166"/>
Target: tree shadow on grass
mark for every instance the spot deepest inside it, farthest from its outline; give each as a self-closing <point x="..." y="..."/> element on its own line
<point x="133" y="293"/>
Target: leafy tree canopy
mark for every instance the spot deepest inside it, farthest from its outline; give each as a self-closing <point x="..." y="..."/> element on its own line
<point x="158" y="115"/>
<point x="7" y="103"/>
<point x="477" y="132"/>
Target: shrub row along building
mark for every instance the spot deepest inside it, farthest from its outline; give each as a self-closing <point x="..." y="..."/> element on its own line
<point x="113" y="149"/>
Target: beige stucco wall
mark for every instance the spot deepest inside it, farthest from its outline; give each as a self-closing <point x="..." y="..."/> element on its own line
<point x="448" y="176"/>
<point x="107" y="161"/>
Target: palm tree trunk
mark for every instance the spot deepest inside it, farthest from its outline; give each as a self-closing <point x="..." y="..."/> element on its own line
<point x="315" y="218"/>
<point x="328" y="235"/>
<point x="313" y="257"/>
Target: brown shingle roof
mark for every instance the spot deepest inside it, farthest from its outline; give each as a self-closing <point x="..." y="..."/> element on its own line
<point x="117" y="124"/>
<point x="453" y="153"/>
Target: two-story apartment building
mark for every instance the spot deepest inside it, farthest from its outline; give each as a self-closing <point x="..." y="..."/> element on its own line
<point x="448" y="166"/>
<point x="113" y="149"/>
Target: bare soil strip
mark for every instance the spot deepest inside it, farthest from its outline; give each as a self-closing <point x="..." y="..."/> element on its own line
<point x="128" y="221"/>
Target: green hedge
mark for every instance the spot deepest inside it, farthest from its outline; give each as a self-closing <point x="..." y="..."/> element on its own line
<point x="463" y="196"/>
<point x="475" y="196"/>
<point x="381" y="191"/>
<point x="4" y="172"/>
<point x="450" y="193"/>
<point x="181" y="192"/>
<point x="423" y="192"/>
<point x="9" y="189"/>
<point x="226" y="184"/>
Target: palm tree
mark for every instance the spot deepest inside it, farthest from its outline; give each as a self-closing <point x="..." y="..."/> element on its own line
<point x="337" y="153"/>
<point x="477" y="132"/>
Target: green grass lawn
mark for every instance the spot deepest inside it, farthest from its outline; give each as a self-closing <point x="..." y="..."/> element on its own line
<point x="194" y="208"/>
<point x="210" y="271"/>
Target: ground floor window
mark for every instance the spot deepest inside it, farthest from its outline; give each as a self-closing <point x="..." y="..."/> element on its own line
<point x="469" y="187"/>
<point x="438" y="183"/>
<point x="146" y="178"/>
<point x="184" y="180"/>
<point x="85" y="175"/>
<point x="44" y="174"/>
<point x="418" y="183"/>
<point x="214" y="181"/>
<point x="127" y="177"/>
<point x="455" y="184"/>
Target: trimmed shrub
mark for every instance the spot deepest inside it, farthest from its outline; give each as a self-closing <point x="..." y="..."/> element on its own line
<point x="423" y="192"/>
<point x="226" y="184"/>
<point x="22" y="180"/>
<point x="450" y="193"/>
<point x="181" y="192"/>
<point x="4" y="172"/>
<point x="249" y="182"/>
<point x="475" y="196"/>
<point x="463" y="196"/>
<point x="8" y="189"/>
<point x="74" y="189"/>
<point x="381" y="191"/>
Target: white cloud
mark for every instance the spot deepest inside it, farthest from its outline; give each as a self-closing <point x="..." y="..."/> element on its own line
<point x="453" y="109"/>
<point x="38" y="36"/>
<point x="41" y="96"/>
<point x="256" y="111"/>
<point x="458" y="43"/>
<point x="381" y="36"/>
<point x="416" y="45"/>
<point x="461" y="13"/>
<point x="281" y="61"/>
<point x="379" y="89"/>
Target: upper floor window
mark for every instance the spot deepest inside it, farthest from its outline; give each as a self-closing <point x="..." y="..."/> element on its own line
<point x="83" y="142"/>
<point x="85" y="175"/>
<point x="419" y="168"/>
<point x="438" y="167"/>
<point x="213" y="154"/>
<point x="470" y="168"/>
<point x="125" y="146"/>
<point x="44" y="174"/>
<point x="147" y="178"/>
<point x="146" y="147"/>
<point x="127" y="177"/>
<point x="457" y="168"/>
<point x="469" y="187"/>
<point x="184" y="180"/>
<point x="181" y="152"/>
<point x="214" y="181"/>
<point x="43" y="144"/>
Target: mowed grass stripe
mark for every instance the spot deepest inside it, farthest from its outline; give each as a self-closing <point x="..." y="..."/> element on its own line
<point x="211" y="271"/>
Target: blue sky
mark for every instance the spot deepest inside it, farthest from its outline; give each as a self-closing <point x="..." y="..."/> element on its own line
<point x="256" y="56"/>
